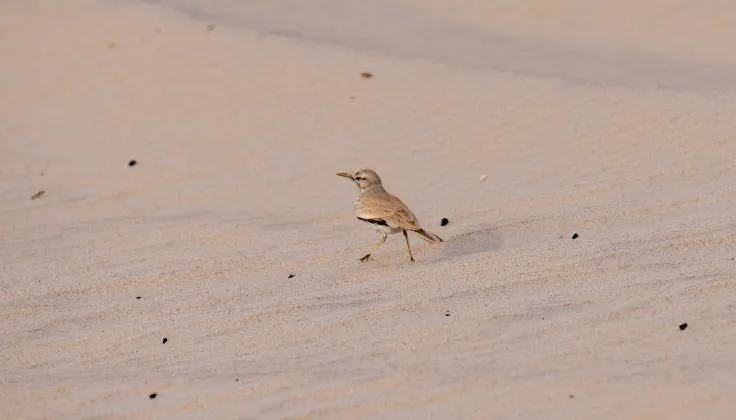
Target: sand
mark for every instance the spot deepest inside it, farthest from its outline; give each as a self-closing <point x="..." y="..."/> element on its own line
<point x="615" y="122"/>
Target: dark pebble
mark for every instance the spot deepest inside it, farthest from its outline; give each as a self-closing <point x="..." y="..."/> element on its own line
<point x="165" y="340"/>
<point x="291" y="276"/>
<point x="447" y="313"/>
<point x="237" y="380"/>
<point x="575" y="236"/>
<point x="152" y="396"/>
<point x="137" y="297"/>
<point x="572" y="396"/>
<point x="683" y="326"/>
<point x="444" y="221"/>
<point x="132" y="163"/>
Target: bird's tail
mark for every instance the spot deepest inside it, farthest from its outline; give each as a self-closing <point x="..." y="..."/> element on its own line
<point x="428" y="236"/>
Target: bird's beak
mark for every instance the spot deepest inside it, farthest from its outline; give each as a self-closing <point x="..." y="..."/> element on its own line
<point x="346" y="175"/>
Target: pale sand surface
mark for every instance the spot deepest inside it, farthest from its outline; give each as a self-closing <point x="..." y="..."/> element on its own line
<point x="615" y="122"/>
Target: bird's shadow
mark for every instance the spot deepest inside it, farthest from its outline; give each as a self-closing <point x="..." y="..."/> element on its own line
<point x="484" y="239"/>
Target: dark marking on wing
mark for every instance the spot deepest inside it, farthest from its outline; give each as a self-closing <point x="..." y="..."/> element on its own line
<point x="374" y="221"/>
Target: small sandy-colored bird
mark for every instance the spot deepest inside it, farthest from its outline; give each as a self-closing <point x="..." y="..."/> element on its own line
<point x="385" y="211"/>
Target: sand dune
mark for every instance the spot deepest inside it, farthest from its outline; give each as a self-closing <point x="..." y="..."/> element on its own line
<point x="612" y="122"/>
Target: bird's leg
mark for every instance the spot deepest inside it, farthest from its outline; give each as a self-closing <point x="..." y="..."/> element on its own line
<point x="406" y="235"/>
<point x="368" y="255"/>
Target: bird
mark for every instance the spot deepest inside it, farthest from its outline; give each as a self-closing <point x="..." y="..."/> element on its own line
<point x="385" y="211"/>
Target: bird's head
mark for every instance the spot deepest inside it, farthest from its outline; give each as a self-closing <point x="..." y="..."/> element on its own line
<point x="364" y="178"/>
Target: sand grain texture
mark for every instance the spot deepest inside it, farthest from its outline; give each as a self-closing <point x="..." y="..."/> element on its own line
<point x="613" y="123"/>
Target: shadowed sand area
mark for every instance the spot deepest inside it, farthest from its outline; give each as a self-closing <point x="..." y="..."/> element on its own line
<point x="614" y="121"/>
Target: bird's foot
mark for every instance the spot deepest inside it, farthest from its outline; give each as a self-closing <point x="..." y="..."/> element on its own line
<point x="365" y="258"/>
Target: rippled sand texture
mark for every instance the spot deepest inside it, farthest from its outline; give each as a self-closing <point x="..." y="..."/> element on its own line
<point x="612" y="120"/>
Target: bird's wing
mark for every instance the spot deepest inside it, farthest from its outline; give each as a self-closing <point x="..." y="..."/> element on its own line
<point x="389" y="209"/>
